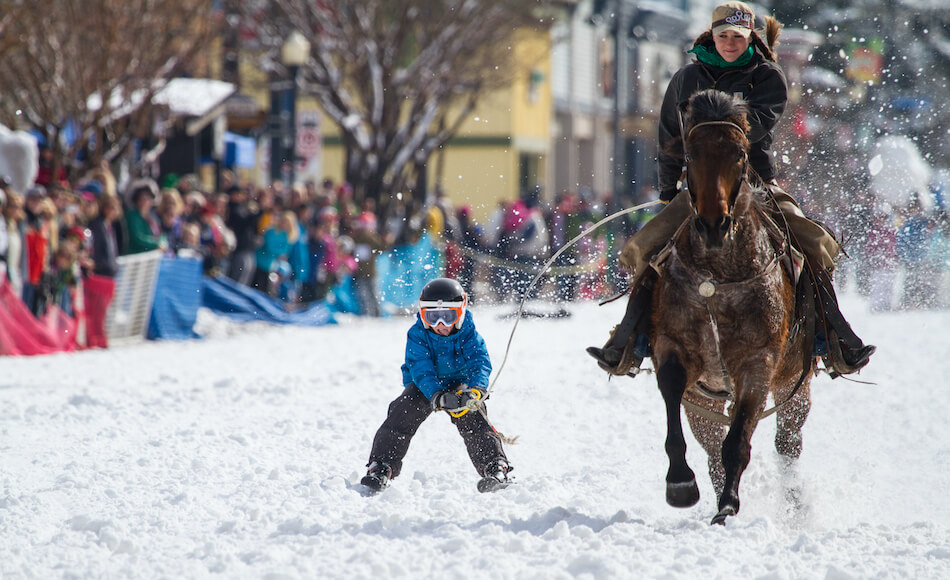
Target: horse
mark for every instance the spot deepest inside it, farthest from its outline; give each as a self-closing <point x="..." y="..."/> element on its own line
<point x="724" y="316"/>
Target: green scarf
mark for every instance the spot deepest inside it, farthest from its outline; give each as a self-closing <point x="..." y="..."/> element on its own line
<point x="712" y="57"/>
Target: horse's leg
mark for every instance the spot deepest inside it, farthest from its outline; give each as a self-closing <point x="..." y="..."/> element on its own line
<point x="681" y="488"/>
<point x="790" y="419"/>
<point x="788" y="442"/>
<point x="737" y="450"/>
<point x="710" y="435"/>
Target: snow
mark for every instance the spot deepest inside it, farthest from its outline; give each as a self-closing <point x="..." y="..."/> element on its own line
<point x="239" y="456"/>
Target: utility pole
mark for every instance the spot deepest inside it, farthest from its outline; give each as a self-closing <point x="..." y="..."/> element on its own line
<point x="623" y="12"/>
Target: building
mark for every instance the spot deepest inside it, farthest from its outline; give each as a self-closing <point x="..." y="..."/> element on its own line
<point x="604" y="46"/>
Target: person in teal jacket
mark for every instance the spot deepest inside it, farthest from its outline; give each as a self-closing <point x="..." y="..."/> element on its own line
<point x="446" y="369"/>
<point x="271" y="255"/>
<point x="141" y="223"/>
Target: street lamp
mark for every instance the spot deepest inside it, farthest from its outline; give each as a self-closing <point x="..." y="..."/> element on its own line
<point x="283" y="98"/>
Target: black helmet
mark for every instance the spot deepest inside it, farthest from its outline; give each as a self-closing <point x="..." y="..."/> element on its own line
<point x="443" y="300"/>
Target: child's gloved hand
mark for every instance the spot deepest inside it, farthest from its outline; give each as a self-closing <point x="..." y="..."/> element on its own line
<point x="457" y="398"/>
<point x="469" y="393"/>
<point x="446" y="400"/>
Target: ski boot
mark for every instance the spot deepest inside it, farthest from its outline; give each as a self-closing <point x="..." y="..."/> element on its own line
<point x="377" y="476"/>
<point x="496" y="477"/>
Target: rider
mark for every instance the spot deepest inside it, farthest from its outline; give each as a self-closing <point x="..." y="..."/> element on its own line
<point x="733" y="58"/>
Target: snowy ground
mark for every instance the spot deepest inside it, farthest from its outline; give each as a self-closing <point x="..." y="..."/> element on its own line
<point x="239" y="456"/>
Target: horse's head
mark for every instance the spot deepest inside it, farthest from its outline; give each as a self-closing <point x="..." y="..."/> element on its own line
<point x="717" y="160"/>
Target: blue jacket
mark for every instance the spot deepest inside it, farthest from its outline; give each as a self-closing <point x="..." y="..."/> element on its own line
<point x="434" y="362"/>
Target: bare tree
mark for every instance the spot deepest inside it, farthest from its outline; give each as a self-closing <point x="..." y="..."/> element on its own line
<point x="92" y="66"/>
<point x="399" y="77"/>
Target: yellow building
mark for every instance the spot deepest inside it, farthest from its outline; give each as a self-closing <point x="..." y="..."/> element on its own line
<point x="501" y="151"/>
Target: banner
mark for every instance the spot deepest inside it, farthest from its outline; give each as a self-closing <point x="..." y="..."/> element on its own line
<point x="22" y="334"/>
<point x="97" y="296"/>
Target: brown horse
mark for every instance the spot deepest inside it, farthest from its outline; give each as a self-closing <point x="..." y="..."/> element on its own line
<point x="724" y="313"/>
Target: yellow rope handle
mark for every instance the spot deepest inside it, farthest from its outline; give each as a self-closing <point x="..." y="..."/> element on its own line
<point x="470" y="404"/>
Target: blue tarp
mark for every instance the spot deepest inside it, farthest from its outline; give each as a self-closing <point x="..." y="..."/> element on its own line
<point x="343" y="297"/>
<point x="177" y="299"/>
<point x="182" y="289"/>
<point x="404" y="270"/>
<point x="228" y="298"/>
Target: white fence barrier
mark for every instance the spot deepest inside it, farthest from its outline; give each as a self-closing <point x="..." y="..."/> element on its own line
<point x="128" y="315"/>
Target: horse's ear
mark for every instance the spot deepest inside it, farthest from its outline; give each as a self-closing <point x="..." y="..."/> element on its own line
<point x="745" y="197"/>
<point x="744" y="123"/>
<point x="674" y="148"/>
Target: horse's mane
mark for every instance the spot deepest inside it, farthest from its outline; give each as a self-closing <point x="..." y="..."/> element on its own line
<point x="714" y="105"/>
<point x="772" y="29"/>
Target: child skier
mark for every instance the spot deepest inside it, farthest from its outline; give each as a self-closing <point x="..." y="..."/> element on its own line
<point x="446" y="369"/>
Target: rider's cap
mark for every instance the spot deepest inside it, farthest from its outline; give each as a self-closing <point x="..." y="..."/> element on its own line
<point x="736" y="16"/>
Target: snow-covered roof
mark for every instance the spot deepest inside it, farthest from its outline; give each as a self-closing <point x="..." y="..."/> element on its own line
<point x="200" y="99"/>
<point x="194" y="97"/>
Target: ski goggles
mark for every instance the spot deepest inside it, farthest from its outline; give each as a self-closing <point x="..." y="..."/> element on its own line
<point x="448" y="315"/>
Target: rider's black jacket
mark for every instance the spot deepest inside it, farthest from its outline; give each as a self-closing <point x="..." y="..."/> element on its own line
<point x="761" y="83"/>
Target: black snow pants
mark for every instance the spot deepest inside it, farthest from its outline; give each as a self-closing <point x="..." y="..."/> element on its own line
<point x="409" y="410"/>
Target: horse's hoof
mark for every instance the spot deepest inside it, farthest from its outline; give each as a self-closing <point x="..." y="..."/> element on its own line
<point x="720" y="518"/>
<point x="682" y="495"/>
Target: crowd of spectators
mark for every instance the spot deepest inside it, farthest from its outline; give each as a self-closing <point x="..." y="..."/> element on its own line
<point x="292" y="243"/>
<point x="299" y="244"/>
<point x="902" y="260"/>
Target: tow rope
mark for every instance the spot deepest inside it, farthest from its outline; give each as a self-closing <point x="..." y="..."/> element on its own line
<point x="547" y="265"/>
<point x="478" y="403"/>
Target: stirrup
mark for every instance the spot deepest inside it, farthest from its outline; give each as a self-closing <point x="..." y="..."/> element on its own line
<point x="835" y="363"/>
<point x="624" y="367"/>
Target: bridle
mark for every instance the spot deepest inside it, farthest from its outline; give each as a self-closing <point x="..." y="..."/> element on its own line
<point x="686" y="157"/>
<point x="706" y="123"/>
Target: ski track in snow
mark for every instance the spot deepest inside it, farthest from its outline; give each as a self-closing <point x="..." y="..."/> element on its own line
<point x="239" y="456"/>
